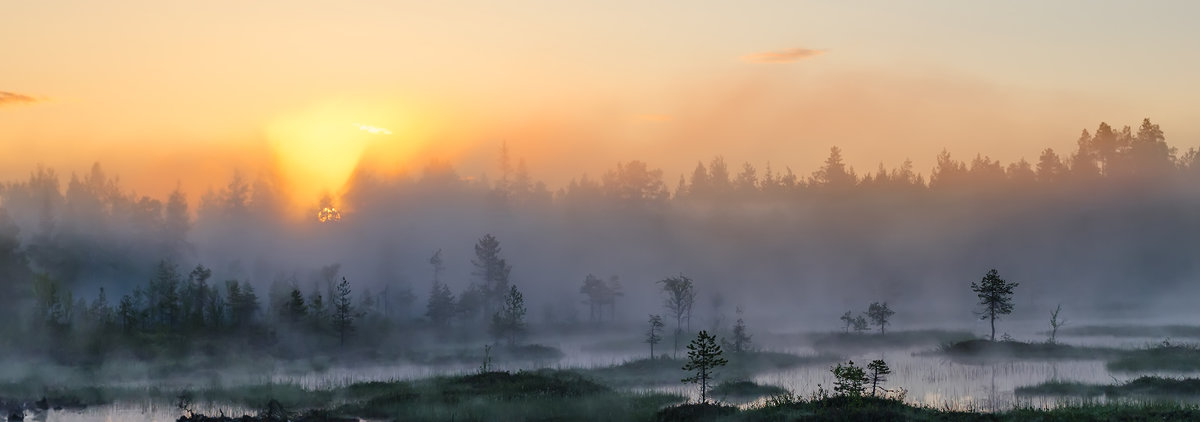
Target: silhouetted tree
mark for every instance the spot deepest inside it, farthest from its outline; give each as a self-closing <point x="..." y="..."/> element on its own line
<point x="295" y="310"/>
<point x="704" y="355"/>
<point x="879" y="371"/>
<point x="1055" y="323"/>
<point x="595" y="290"/>
<point x="860" y="323"/>
<point x="848" y="318"/>
<point x="343" y="312"/>
<point x="509" y="322"/>
<point x="741" y="339"/>
<point x="318" y="311"/>
<point x="834" y="173"/>
<point x="654" y="332"/>
<point x="879" y="313"/>
<point x="849" y="380"/>
<point x="440" y="307"/>
<point x="995" y="296"/>
<point x="681" y="295"/>
<point x="492" y="270"/>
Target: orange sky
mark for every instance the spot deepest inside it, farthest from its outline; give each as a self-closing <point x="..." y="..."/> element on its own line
<point x="164" y="93"/>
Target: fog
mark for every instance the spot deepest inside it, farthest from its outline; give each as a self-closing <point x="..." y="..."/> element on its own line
<point x="1107" y="231"/>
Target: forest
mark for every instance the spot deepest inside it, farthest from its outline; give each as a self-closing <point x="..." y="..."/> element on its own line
<point x="436" y="268"/>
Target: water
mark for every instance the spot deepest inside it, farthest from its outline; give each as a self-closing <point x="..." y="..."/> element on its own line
<point x="926" y="379"/>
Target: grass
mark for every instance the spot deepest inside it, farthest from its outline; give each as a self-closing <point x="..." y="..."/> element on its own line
<point x="790" y="408"/>
<point x="1143" y="386"/>
<point x="744" y="389"/>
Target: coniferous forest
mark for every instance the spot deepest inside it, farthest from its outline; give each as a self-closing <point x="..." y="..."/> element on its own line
<point x="737" y="266"/>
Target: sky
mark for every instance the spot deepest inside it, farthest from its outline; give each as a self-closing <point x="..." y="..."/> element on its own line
<point x="170" y="94"/>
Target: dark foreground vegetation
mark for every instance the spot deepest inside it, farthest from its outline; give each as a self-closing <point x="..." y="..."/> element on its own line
<point x="543" y="396"/>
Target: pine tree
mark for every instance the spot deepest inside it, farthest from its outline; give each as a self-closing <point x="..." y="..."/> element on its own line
<point x="879" y="371"/>
<point x="343" y="312"/>
<point x="493" y="270"/>
<point x="879" y="313"/>
<point x="509" y="322"/>
<point x="440" y="308"/>
<point x="295" y="310"/>
<point x="849" y="380"/>
<point x="995" y="296"/>
<point x="704" y="355"/>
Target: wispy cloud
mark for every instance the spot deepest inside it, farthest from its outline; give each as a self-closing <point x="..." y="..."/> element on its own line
<point x="11" y="98"/>
<point x="787" y="55"/>
<point x="373" y="129"/>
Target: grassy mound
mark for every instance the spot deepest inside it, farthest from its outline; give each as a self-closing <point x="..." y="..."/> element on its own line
<point x="666" y="371"/>
<point x="895" y="339"/>
<point x="1163" y="357"/>
<point x="1143" y="386"/>
<point x="988" y="350"/>
<point x="1186" y="331"/>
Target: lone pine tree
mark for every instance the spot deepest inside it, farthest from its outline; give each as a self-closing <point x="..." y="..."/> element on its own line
<point x="704" y="355"/>
<point x="995" y="297"/>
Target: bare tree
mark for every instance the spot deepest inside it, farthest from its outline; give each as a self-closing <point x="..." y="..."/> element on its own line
<point x="1056" y="323"/>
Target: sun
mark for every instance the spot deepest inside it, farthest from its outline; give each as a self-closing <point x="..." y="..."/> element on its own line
<point x="316" y="150"/>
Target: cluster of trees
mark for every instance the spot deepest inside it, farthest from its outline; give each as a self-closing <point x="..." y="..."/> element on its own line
<point x="493" y="295"/>
<point x="175" y="311"/>
<point x="600" y="294"/>
<point x="853" y="381"/>
<point x="878" y="314"/>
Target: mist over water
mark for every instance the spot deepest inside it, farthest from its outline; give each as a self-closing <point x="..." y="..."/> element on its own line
<point x="1107" y="231"/>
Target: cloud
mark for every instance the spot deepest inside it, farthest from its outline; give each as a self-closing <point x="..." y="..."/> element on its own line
<point x="7" y="98"/>
<point x="373" y="129"/>
<point x="782" y="56"/>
